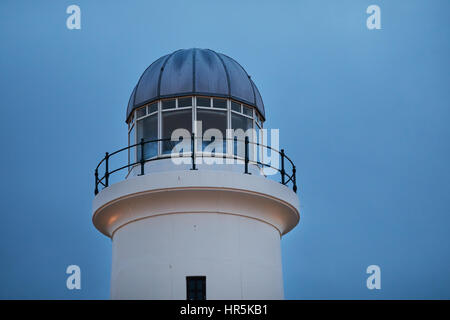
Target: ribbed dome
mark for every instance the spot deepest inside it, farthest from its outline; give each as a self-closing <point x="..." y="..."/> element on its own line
<point x="195" y="71"/>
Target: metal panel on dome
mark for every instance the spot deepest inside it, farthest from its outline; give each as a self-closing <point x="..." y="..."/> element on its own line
<point x="240" y="85"/>
<point x="147" y="87"/>
<point x="131" y="102"/>
<point x="259" y="101"/>
<point x="177" y="76"/>
<point x="210" y="74"/>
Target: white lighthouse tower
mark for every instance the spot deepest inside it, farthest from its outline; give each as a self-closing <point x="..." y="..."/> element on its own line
<point x="188" y="221"/>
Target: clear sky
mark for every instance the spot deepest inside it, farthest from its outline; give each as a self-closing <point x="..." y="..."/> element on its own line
<point x="363" y="113"/>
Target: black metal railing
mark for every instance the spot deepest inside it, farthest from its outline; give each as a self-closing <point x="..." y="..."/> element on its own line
<point x="285" y="178"/>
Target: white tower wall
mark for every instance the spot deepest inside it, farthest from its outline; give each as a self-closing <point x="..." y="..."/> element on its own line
<point x="240" y="257"/>
<point x="223" y="225"/>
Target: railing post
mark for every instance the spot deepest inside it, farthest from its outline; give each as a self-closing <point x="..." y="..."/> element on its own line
<point x="96" y="181"/>
<point x="282" y="166"/>
<point x="106" y="169"/>
<point x="294" y="180"/>
<point x="246" y="155"/>
<point x="142" y="157"/>
<point x="193" y="151"/>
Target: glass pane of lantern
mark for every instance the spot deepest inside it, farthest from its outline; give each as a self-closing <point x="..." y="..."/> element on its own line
<point x="153" y="107"/>
<point x="248" y="111"/>
<point x="147" y="129"/>
<point x="244" y="123"/>
<point x="131" y="151"/>
<point x="181" y="119"/>
<point x="220" y="103"/>
<point x="235" y="106"/>
<point x="185" y="102"/>
<point x="213" y="119"/>
<point x="141" y="112"/>
<point x="168" y="104"/>
<point x="203" y="102"/>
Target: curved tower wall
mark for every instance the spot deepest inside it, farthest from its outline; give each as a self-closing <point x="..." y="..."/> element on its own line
<point x="239" y="256"/>
<point x="169" y="225"/>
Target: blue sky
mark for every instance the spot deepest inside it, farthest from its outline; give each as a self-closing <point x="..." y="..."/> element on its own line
<point x="363" y="113"/>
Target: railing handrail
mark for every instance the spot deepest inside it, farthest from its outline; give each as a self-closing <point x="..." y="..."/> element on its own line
<point x="285" y="177"/>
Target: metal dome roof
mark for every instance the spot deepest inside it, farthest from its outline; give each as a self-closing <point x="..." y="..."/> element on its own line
<point x="195" y="71"/>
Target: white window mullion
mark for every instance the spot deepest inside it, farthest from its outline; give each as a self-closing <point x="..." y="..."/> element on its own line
<point x="194" y="123"/>
<point x="159" y="128"/>
<point x="229" y="135"/>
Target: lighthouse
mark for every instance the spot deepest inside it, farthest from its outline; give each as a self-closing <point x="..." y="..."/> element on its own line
<point x="197" y="203"/>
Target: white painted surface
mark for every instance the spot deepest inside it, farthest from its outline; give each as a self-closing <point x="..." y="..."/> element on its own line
<point x="222" y="225"/>
<point x="195" y="191"/>
<point x="240" y="257"/>
<point x="202" y="164"/>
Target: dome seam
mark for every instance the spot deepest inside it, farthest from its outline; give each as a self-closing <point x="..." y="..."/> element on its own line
<point x="162" y="70"/>
<point x="151" y="79"/>
<point x="253" y="89"/>
<point x="248" y="76"/>
<point x="137" y="85"/>
<point x="226" y="71"/>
